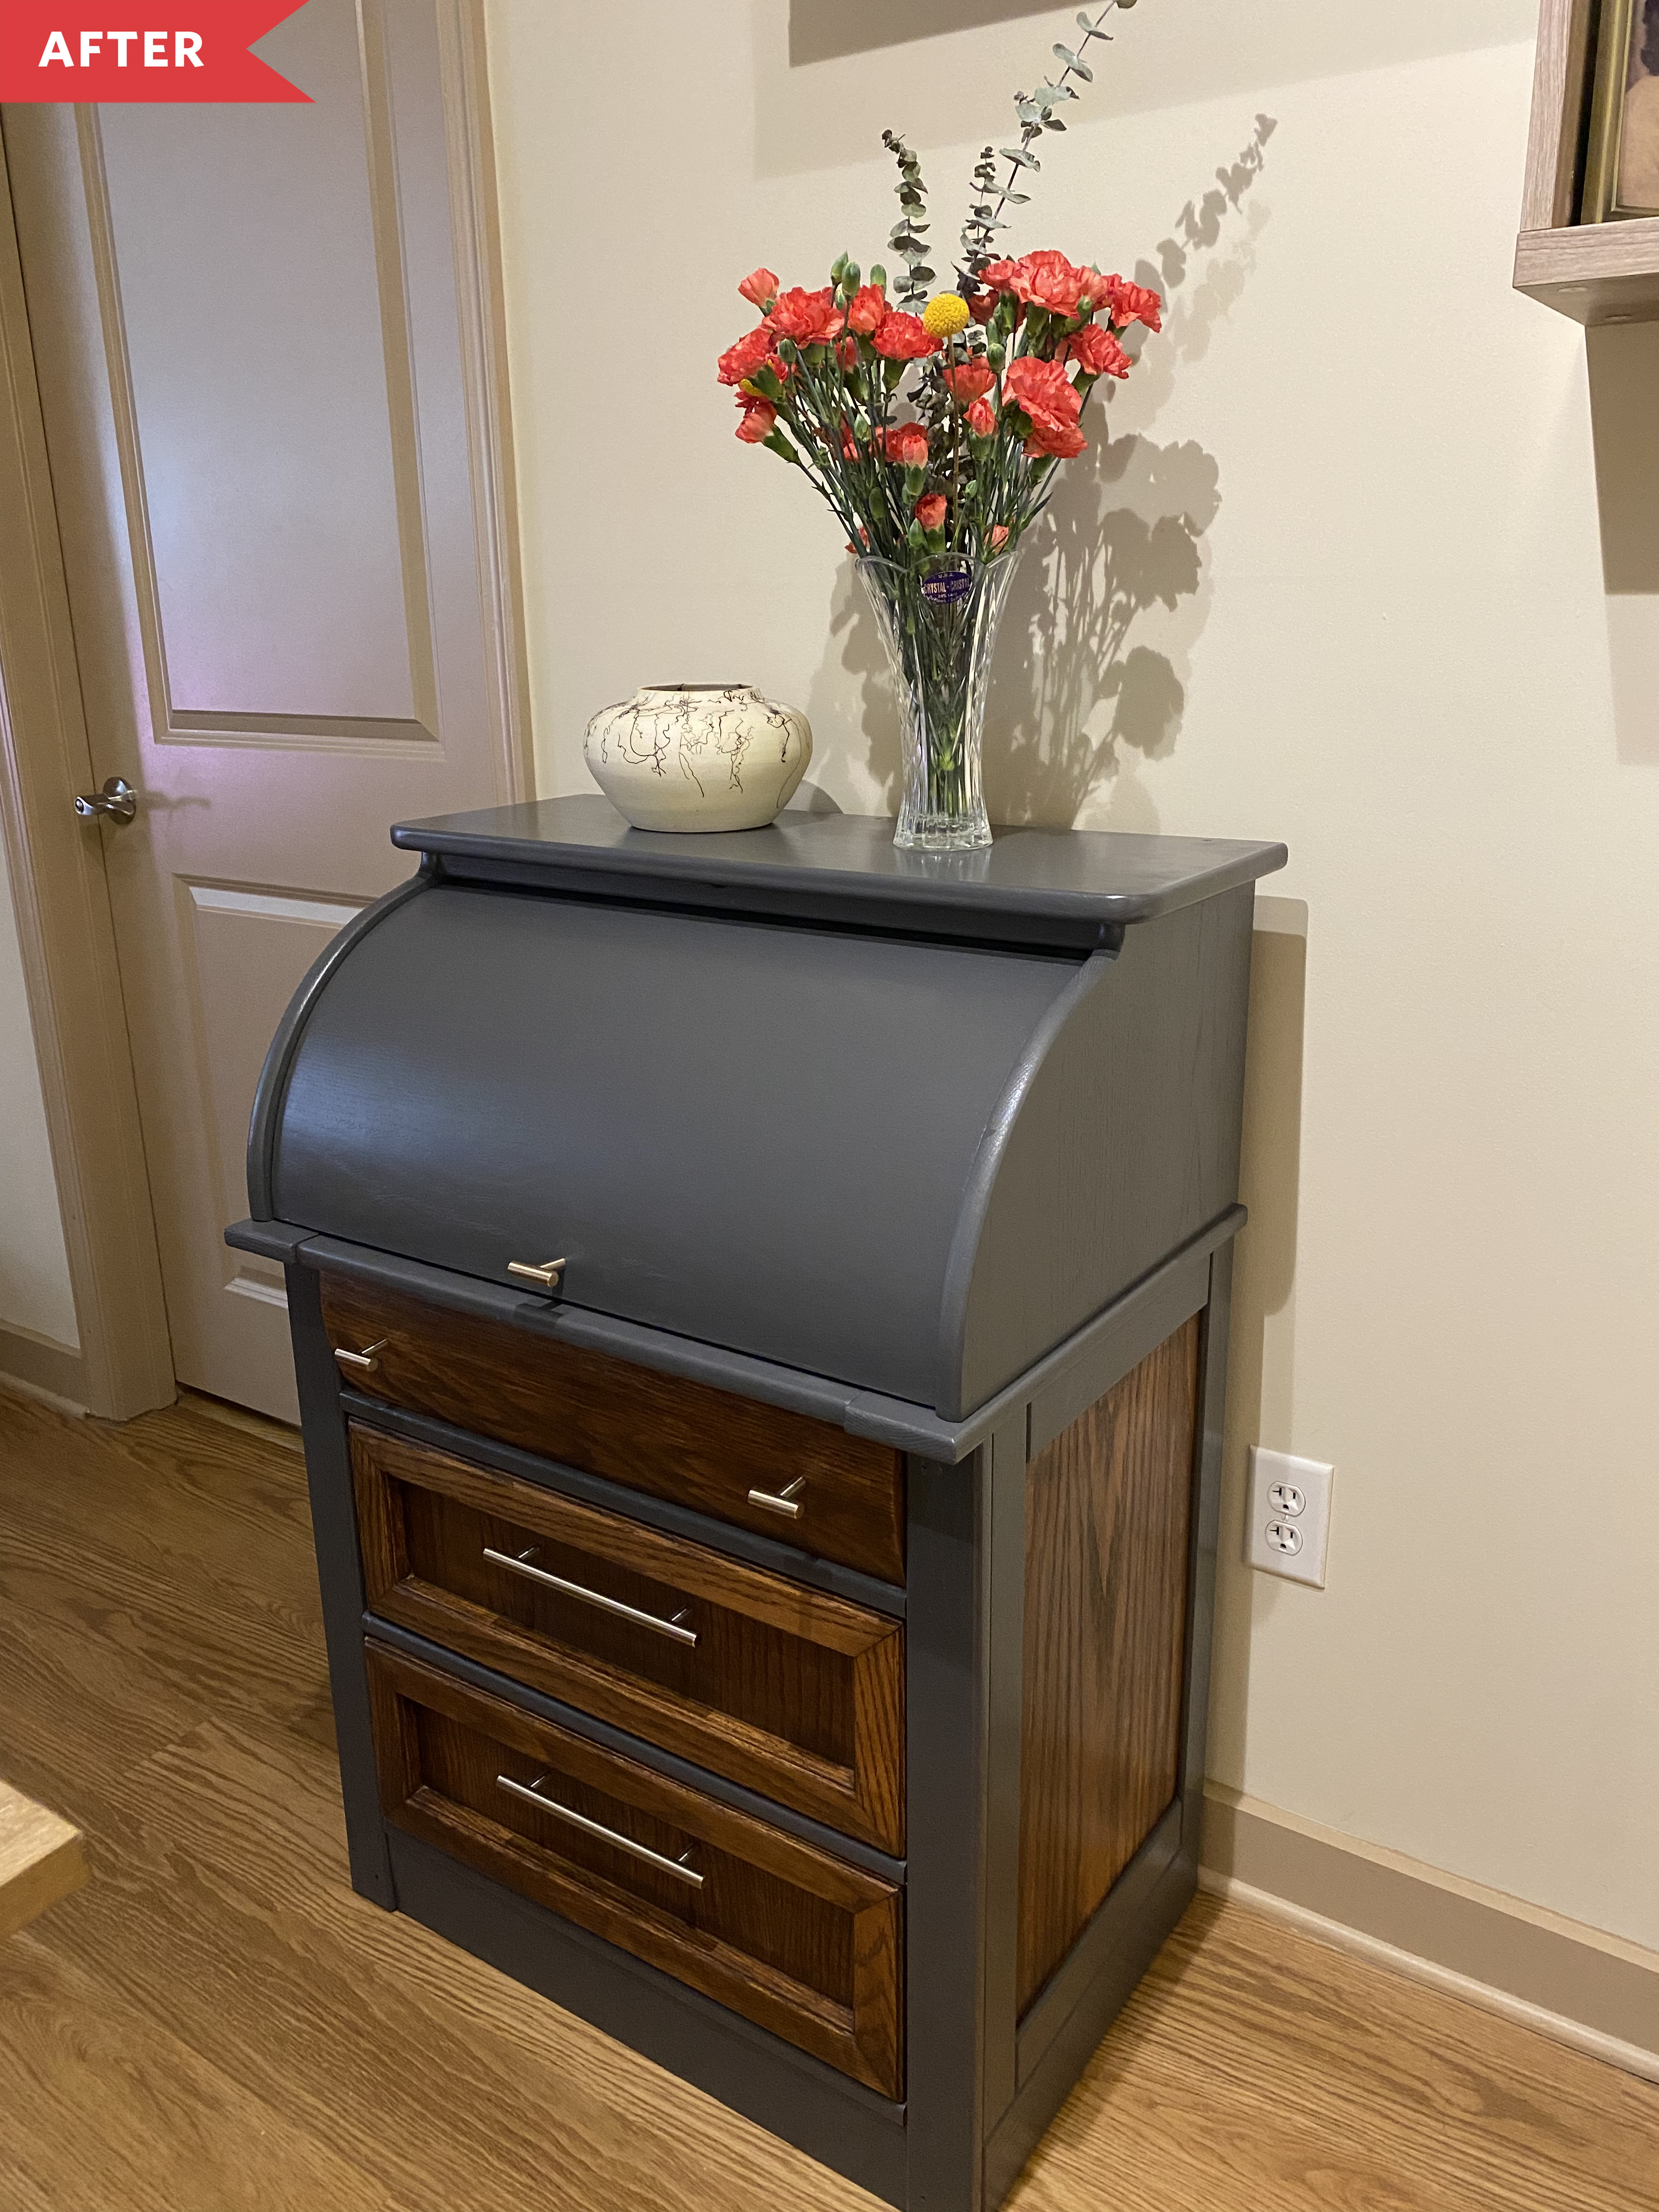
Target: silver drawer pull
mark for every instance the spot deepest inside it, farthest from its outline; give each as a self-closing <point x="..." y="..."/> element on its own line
<point x="363" y="1362"/>
<point x="520" y="1566"/>
<point x="547" y="1275"/>
<point x="782" y="1501"/>
<point x="531" y="1796"/>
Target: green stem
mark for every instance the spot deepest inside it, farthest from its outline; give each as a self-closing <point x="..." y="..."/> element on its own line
<point x="956" y="445"/>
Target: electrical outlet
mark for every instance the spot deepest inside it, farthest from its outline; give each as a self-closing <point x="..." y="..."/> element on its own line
<point x="1289" y="1515"/>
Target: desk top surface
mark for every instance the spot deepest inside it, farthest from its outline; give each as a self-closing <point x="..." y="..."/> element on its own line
<point x="1077" y="876"/>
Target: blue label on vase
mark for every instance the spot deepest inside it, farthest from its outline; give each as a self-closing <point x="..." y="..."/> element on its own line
<point x="944" y="588"/>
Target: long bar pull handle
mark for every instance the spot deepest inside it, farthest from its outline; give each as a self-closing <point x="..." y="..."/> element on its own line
<point x="547" y="1275"/>
<point x="520" y="1566"/>
<point x="788" y="1502"/>
<point x="531" y="1796"/>
<point x="363" y="1362"/>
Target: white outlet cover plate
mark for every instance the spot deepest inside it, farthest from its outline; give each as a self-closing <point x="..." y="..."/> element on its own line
<point x="1265" y="1544"/>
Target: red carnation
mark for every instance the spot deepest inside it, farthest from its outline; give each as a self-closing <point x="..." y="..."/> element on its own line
<point x="1047" y="397"/>
<point x="903" y="337"/>
<point x="966" y="383"/>
<point x="760" y="287"/>
<point x="866" y="309"/>
<point x="849" y="444"/>
<point x="931" y="511"/>
<point x="1093" y="290"/>
<point x="1134" y="303"/>
<point x="1097" y="353"/>
<point x="1064" y="441"/>
<point x="754" y="425"/>
<point x="982" y="305"/>
<point x="907" y="445"/>
<point x="1041" y="387"/>
<point x="998" y="536"/>
<point x="1044" y="279"/>
<point x="809" y="318"/>
<point x="1047" y="279"/>
<point x="981" y="418"/>
<point x="739" y="362"/>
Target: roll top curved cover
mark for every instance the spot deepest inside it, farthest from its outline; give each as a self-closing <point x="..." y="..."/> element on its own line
<point x="890" y="1154"/>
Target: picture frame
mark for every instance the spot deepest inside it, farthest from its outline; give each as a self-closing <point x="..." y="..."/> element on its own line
<point x="1621" y="167"/>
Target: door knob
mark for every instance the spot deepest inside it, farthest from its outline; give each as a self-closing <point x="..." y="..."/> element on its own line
<point x="117" y="799"/>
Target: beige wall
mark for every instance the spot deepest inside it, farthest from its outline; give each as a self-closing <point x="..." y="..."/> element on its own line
<point x="34" y="1276"/>
<point x="1355" y="600"/>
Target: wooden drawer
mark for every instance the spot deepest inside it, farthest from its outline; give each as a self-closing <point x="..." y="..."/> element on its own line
<point x="796" y="1694"/>
<point x="784" y="1934"/>
<point x="702" y="1447"/>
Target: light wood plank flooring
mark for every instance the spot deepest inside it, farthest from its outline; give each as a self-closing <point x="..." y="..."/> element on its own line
<point x="216" y="2022"/>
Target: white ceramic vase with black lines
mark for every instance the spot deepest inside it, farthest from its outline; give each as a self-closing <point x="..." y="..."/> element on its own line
<point x="698" y="756"/>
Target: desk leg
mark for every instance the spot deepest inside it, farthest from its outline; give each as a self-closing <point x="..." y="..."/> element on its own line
<point x="963" y="1630"/>
<point x="340" y="1572"/>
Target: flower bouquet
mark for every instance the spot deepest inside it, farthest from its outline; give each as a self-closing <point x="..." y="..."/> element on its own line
<point x="934" y="425"/>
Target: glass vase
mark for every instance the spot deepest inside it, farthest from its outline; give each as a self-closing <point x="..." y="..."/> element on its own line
<point x="938" y="619"/>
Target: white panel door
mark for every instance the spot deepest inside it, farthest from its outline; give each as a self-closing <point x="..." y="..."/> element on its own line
<point x="266" y="338"/>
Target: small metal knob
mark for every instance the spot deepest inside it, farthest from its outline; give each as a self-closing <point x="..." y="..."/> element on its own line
<point x="790" y="1502"/>
<point x="117" y="801"/>
<point x="366" y="1361"/>
<point x="547" y="1275"/>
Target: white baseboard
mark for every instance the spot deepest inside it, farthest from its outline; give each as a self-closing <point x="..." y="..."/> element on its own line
<point x="1595" y="1992"/>
<point x="1629" y="2056"/>
<point x="40" y="1367"/>
<point x="24" y="1388"/>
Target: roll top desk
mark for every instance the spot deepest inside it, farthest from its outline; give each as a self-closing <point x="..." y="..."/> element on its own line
<point x="760" y="1309"/>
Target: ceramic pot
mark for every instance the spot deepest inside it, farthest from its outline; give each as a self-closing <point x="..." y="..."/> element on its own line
<point x="698" y="756"/>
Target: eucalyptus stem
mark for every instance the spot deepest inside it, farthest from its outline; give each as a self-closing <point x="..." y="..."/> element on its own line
<point x="1036" y="116"/>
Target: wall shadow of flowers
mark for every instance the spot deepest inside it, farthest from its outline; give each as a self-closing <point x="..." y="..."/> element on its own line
<point x="1094" y="661"/>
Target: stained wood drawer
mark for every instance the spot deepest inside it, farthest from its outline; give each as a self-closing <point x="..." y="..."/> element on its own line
<point x="796" y="1694"/>
<point x="786" y="1934"/>
<point x="702" y="1447"/>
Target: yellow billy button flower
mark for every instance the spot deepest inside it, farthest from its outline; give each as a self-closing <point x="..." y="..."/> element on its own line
<point x="945" y="313"/>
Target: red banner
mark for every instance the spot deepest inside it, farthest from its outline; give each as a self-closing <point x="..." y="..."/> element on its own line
<point x="180" y="50"/>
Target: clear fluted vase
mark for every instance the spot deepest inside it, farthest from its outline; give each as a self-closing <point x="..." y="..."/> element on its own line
<point x="939" y="621"/>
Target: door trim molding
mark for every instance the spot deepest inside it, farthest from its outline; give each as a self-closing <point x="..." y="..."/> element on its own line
<point x="66" y="930"/>
<point x="475" y="225"/>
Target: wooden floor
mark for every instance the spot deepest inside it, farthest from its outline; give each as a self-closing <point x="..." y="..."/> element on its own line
<point x="217" y="2022"/>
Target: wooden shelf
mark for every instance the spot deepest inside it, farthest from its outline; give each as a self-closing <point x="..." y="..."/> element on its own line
<point x="1596" y="272"/>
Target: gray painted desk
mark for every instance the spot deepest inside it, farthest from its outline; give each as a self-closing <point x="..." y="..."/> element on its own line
<point x="779" y="1631"/>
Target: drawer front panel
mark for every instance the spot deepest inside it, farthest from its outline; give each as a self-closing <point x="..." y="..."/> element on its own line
<point x="792" y="1939"/>
<point x="701" y="1446"/>
<point x="794" y="1693"/>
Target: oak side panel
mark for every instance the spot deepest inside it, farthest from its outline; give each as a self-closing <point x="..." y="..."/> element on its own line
<point x="701" y="1446"/>
<point x="1108" y="1508"/>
